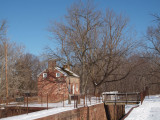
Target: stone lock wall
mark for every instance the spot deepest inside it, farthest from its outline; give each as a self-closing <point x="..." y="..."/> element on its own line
<point x="95" y="112"/>
<point x="114" y="112"/>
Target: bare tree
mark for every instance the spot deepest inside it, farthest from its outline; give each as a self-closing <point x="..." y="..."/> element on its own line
<point x="24" y="74"/>
<point x="22" y="69"/>
<point x="77" y="38"/>
<point x="3" y="57"/>
<point x="115" y="46"/>
<point x="96" y="46"/>
<point x="153" y="36"/>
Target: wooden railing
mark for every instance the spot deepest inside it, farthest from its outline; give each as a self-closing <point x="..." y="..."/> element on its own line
<point x="123" y="98"/>
<point x="144" y="94"/>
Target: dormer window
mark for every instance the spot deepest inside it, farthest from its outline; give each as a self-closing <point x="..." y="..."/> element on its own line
<point x="44" y="75"/>
<point x="57" y="74"/>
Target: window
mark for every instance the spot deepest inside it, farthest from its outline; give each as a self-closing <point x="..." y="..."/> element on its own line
<point x="44" y="75"/>
<point x="57" y="74"/>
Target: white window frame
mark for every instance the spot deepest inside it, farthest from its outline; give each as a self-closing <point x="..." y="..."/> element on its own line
<point x="44" y="75"/>
<point x="57" y="74"/>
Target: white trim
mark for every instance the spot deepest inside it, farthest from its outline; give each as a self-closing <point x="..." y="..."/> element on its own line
<point x="58" y="74"/>
<point x="44" y="75"/>
<point x="75" y="75"/>
<point x="59" y="69"/>
<point x="41" y="72"/>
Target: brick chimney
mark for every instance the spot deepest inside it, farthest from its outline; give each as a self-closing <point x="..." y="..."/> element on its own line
<point x="51" y="65"/>
<point x="66" y="66"/>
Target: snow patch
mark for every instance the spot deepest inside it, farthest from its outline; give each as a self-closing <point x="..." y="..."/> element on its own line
<point x="149" y="110"/>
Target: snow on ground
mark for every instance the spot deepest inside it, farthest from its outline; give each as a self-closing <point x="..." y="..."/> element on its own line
<point x="55" y="108"/>
<point x="128" y="107"/>
<point x="149" y="110"/>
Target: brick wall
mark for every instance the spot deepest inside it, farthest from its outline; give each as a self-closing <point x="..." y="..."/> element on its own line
<point x="73" y="81"/>
<point x="56" y="87"/>
<point x="95" y="112"/>
<point x="18" y="110"/>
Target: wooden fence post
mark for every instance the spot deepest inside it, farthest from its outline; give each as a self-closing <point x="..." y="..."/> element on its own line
<point x="76" y="103"/>
<point x="126" y="98"/>
<point x="137" y="97"/>
<point x="63" y="100"/>
<point x="96" y="98"/>
<point x="84" y="101"/>
<point x="74" y="100"/>
<point x="47" y="101"/>
<point x="141" y="97"/>
<point x="41" y="100"/>
<point x="24" y="100"/>
<point x="27" y="103"/>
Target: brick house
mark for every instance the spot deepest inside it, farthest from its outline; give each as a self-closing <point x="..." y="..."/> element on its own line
<point x="57" y="82"/>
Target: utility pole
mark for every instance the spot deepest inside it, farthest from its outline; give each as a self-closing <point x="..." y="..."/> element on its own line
<point x="1" y="73"/>
<point x="6" y="73"/>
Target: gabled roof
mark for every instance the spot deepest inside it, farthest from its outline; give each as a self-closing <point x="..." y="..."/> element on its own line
<point x="69" y="73"/>
<point x="41" y="72"/>
<point x="60" y="70"/>
<point x="64" y="71"/>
